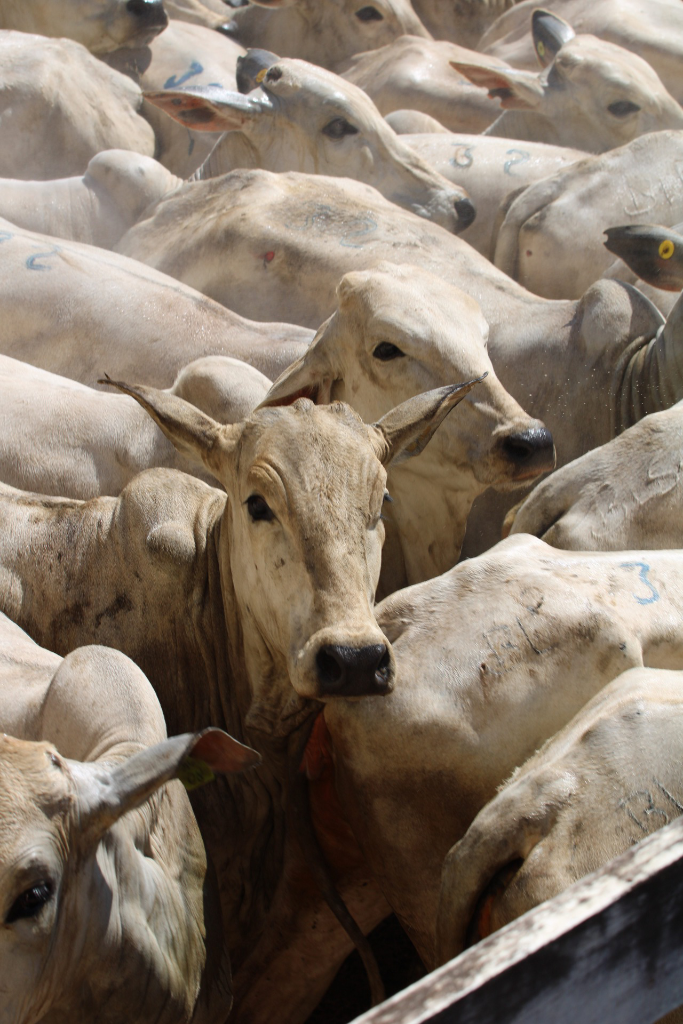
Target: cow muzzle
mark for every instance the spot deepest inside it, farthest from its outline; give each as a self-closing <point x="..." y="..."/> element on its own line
<point x="466" y="213"/>
<point x="354" y="671"/>
<point x="528" y="452"/>
<point x="150" y="13"/>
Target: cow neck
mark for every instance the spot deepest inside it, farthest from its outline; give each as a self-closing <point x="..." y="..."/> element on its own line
<point x="649" y="376"/>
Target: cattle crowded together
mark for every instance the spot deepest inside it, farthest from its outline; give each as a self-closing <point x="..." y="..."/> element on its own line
<point x="289" y="643"/>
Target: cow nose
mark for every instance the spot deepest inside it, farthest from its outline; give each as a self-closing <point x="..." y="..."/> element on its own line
<point x="353" y="671"/>
<point x="150" y="11"/>
<point x="531" y="450"/>
<point x="466" y="213"/>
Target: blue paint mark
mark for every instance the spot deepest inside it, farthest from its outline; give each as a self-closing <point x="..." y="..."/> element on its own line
<point x="644" y="570"/>
<point x="522" y="157"/>
<point x="32" y="264"/>
<point x="366" y="225"/>
<point x="216" y="85"/>
<point x="463" y="159"/>
<point x="5" y="236"/>
<point x="173" y="82"/>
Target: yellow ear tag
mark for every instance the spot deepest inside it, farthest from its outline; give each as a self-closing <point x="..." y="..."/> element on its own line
<point x="666" y="249"/>
<point x="194" y="773"/>
<point x="261" y="75"/>
<point x="540" y="48"/>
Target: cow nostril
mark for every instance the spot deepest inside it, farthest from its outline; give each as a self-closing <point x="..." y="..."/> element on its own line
<point x="466" y="212"/>
<point x="530" y="447"/>
<point x="151" y="10"/>
<point x="353" y="671"/>
<point x="330" y="670"/>
<point x="383" y="670"/>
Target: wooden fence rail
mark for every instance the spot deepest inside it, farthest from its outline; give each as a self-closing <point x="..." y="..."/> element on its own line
<point x="607" y="951"/>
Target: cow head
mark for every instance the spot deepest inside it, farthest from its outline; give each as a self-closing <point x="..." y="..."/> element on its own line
<point x="398" y="331"/>
<point x="77" y="897"/>
<point x="100" y="25"/>
<point x="301" y="536"/>
<point x="310" y="120"/>
<point x="593" y="94"/>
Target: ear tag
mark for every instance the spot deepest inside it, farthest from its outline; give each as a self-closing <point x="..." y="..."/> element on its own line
<point x="540" y="48"/>
<point x="666" y="249"/>
<point x="194" y="773"/>
<point x="261" y="75"/>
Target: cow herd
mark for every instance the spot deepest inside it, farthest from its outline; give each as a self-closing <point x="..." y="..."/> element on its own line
<point x="304" y="305"/>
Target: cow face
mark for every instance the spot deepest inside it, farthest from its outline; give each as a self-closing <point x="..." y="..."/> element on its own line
<point x="302" y="532"/>
<point x="100" y="25"/>
<point x="71" y="885"/>
<point x="309" y="120"/>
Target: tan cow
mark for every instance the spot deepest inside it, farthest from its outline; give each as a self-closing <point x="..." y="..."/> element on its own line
<point x="626" y="494"/>
<point x="100" y="25"/>
<point x="256" y="606"/>
<point x="415" y="73"/>
<point x="551" y="239"/>
<point x="60" y="437"/>
<point x="395" y="332"/>
<point x="89" y="924"/>
<point x="76" y="309"/>
<point x="462" y="21"/>
<point x="592" y="95"/>
<point x="211" y="14"/>
<point x="493" y="658"/>
<point x="611" y="777"/>
<point x="325" y="32"/>
<point x="60" y="106"/>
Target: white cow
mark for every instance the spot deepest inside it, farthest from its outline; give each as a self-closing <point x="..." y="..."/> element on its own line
<point x="101" y="861"/>
<point x="412" y="72"/>
<point x="493" y="658"/>
<point x="97" y="208"/>
<point x="212" y="14"/>
<point x="80" y="311"/>
<point x="552" y="237"/>
<point x="464" y="21"/>
<point x="59" y="437"/>
<point x="325" y="32"/>
<point x="626" y="494"/>
<point x="59" y="106"/>
<point x="100" y="25"/>
<point x="395" y="332"/>
<point x="310" y="120"/>
<point x="653" y="30"/>
<point x="611" y="777"/>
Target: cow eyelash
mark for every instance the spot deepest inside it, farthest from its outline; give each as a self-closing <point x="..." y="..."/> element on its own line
<point x="259" y="509"/>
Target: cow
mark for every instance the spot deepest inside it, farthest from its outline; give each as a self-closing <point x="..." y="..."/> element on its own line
<point x="611" y="777"/>
<point x="592" y="95"/>
<point x="101" y="861"/>
<point x="60" y="437"/>
<point x="412" y="72"/>
<point x="97" y="207"/>
<point x="99" y="25"/>
<point x="212" y="14"/>
<point x="551" y="237"/>
<point x="490" y="169"/>
<point x="255" y="606"/>
<point x="292" y="237"/>
<point x="493" y="658"/>
<point x="464" y="21"/>
<point x="626" y="494"/>
<point x="72" y="308"/>
<point x="326" y="32"/>
<point x="310" y="120"/>
<point x="654" y="32"/>
<point x="60" y="106"/>
<point x="395" y="332"/>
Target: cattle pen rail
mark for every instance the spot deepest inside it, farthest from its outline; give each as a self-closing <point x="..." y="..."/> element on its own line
<point x="609" y="950"/>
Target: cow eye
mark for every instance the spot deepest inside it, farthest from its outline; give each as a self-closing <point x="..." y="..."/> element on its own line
<point x="622" y="108"/>
<point x="386" y="351"/>
<point x="369" y="14"/>
<point x="258" y="509"/>
<point x="338" y="127"/>
<point x="31" y="902"/>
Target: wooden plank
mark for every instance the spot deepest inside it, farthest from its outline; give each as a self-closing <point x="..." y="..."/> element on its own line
<point x="609" y="950"/>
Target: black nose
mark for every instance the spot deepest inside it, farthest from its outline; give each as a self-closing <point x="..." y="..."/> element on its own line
<point x="530" y="449"/>
<point x="353" y="671"/>
<point x="150" y="11"/>
<point x="466" y="213"/>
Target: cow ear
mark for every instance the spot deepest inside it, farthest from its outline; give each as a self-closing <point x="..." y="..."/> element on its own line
<point x="408" y="429"/>
<point x="311" y="376"/>
<point x="516" y="90"/>
<point x="106" y="792"/>
<point x="209" y="109"/>
<point x="191" y="431"/>
<point x="252" y="68"/>
<point x="550" y="33"/>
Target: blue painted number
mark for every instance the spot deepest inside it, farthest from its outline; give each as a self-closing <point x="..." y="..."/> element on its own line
<point x="644" y="570"/>
<point x="173" y="82"/>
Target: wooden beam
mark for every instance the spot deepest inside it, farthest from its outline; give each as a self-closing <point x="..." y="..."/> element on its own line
<point x="609" y="950"/>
